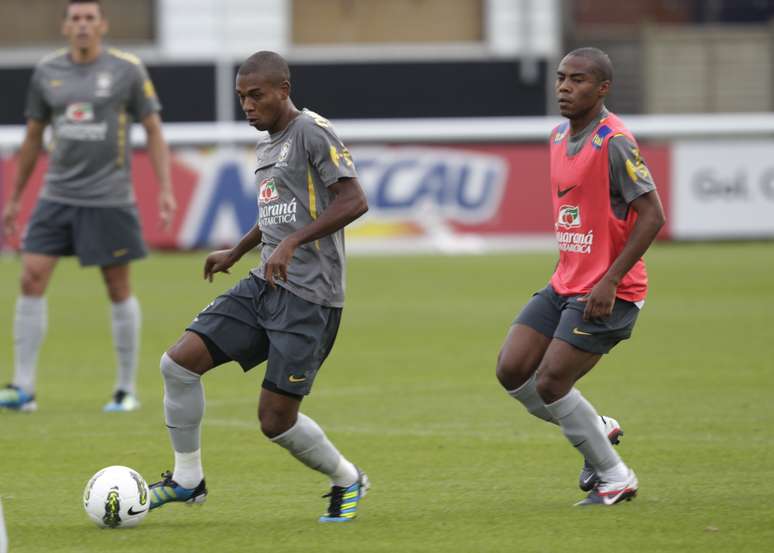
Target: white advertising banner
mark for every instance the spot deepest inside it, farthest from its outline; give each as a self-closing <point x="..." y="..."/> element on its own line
<point x="722" y="189"/>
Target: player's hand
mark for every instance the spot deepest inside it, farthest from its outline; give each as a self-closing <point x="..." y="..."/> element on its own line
<point x="167" y="209"/>
<point x="218" y="262"/>
<point x="276" y="267"/>
<point x="10" y="213"/>
<point x="600" y="301"/>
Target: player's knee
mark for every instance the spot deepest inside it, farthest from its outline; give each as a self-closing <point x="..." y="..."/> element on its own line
<point x="118" y="292"/>
<point x="511" y="373"/>
<point x="172" y="370"/>
<point x="33" y="283"/>
<point x="190" y="352"/>
<point x="549" y="386"/>
<point x="275" y="422"/>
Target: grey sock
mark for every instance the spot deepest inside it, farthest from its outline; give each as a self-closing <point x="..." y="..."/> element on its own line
<point x="528" y="396"/>
<point x="307" y="442"/>
<point x="29" y="327"/>
<point x="125" y="318"/>
<point x="580" y="424"/>
<point x="183" y="405"/>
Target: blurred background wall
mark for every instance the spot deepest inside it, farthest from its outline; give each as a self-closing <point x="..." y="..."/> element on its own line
<point x="446" y="102"/>
<point x="429" y="58"/>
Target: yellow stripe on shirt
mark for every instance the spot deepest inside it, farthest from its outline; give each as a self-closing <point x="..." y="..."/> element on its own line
<point x="121" y="138"/>
<point x="312" y="198"/>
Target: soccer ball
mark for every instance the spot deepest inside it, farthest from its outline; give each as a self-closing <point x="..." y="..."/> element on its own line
<point x="116" y="497"/>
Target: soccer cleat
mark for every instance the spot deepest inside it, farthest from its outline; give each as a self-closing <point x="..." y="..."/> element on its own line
<point x="610" y="493"/>
<point x="588" y="476"/>
<point x="167" y="490"/>
<point x="14" y="398"/>
<point x="122" y="402"/>
<point x="344" y="501"/>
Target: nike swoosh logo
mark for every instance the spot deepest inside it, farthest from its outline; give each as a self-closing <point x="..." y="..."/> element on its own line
<point x="580" y="332"/>
<point x="132" y="512"/>
<point x="293" y="378"/>
<point x="560" y="192"/>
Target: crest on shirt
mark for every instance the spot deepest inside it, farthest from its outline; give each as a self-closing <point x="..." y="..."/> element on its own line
<point x="561" y="132"/>
<point x="80" y="112"/>
<point x="599" y="138"/>
<point x="284" y="151"/>
<point x="267" y="191"/>
<point x="104" y="84"/>
<point x="569" y="217"/>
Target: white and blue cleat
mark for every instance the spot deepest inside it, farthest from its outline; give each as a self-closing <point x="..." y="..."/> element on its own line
<point x="168" y="491"/>
<point x="14" y="398"/>
<point x="122" y="402"/>
<point x="344" y="501"/>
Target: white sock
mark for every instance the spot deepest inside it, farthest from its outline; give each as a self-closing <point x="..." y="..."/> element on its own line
<point x="29" y="328"/>
<point x="580" y="424"/>
<point x="616" y="474"/>
<point x="345" y="474"/>
<point x="528" y="396"/>
<point x="183" y="405"/>
<point x="188" y="468"/>
<point x="307" y="442"/>
<point x="125" y="318"/>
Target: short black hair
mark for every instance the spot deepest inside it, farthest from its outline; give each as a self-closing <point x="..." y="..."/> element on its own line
<point x="99" y="5"/>
<point x="602" y="66"/>
<point x="268" y="63"/>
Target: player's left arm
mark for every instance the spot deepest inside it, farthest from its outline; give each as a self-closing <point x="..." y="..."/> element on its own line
<point x="144" y="105"/>
<point x="632" y="178"/>
<point x="349" y="203"/>
<point x="159" y="155"/>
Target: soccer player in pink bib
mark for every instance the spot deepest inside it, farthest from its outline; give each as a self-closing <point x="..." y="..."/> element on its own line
<point x="606" y="213"/>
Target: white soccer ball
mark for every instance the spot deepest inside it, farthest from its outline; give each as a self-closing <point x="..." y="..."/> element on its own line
<point x="116" y="497"/>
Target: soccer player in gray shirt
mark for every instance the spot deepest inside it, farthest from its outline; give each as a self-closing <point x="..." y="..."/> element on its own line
<point x="89" y="95"/>
<point x="287" y="311"/>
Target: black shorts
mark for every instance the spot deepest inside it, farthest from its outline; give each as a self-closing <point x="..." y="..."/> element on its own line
<point x="100" y="236"/>
<point x="253" y="323"/>
<point x="561" y="317"/>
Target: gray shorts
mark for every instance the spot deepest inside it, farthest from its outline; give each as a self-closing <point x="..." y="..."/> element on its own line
<point x="561" y="317"/>
<point x="97" y="235"/>
<point x="253" y="323"/>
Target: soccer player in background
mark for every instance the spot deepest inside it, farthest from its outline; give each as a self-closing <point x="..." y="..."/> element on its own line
<point x="89" y="95"/>
<point x="607" y="213"/>
<point x="287" y="310"/>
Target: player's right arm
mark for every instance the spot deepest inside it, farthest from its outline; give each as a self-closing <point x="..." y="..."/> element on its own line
<point x="221" y="261"/>
<point x="28" y="155"/>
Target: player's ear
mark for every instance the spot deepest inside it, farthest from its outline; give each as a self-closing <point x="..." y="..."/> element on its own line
<point x="604" y="88"/>
<point x="285" y="89"/>
<point x="104" y="26"/>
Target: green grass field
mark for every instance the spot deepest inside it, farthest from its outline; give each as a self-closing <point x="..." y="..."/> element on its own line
<point x="409" y="394"/>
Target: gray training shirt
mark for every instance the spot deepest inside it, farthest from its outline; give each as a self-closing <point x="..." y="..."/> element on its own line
<point x="623" y="190"/>
<point x="90" y="107"/>
<point x="295" y="169"/>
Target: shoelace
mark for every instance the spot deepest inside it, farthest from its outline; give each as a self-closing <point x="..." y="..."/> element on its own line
<point x="337" y="497"/>
<point x="166" y="478"/>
